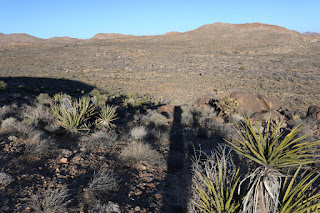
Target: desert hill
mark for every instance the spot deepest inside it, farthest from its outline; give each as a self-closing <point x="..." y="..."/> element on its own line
<point x="19" y="37"/>
<point x="311" y="33"/>
<point x="62" y="39"/>
<point x="111" y="36"/>
<point x="216" y="31"/>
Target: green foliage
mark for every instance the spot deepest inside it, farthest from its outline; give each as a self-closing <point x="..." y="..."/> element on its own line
<point x="106" y="116"/>
<point x="274" y="153"/>
<point x="269" y="148"/>
<point x="72" y="115"/>
<point x="3" y="86"/>
<point x="298" y="195"/>
<point x="226" y="105"/>
<point x="242" y="68"/>
<point x="99" y="99"/>
<point x="216" y="182"/>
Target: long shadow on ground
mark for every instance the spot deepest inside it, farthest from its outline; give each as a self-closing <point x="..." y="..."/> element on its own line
<point x="26" y="89"/>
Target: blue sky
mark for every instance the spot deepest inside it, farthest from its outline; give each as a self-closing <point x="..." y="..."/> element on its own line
<point x="85" y="18"/>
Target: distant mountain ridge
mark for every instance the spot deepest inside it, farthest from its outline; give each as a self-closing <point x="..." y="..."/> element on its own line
<point x="311" y="33"/>
<point x="251" y="31"/>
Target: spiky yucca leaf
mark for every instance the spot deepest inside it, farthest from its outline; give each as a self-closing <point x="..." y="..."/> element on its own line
<point x="269" y="147"/>
<point x="215" y="184"/>
<point x="106" y="116"/>
<point x="74" y="115"/>
<point x="297" y="194"/>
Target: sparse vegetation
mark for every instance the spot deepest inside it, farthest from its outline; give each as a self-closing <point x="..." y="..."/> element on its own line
<point x="72" y="115"/>
<point x="112" y="98"/>
<point x="137" y="152"/>
<point x="5" y="179"/>
<point x="103" y="183"/>
<point x="51" y="200"/>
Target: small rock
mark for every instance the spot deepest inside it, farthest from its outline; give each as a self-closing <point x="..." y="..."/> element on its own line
<point x="63" y="160"/>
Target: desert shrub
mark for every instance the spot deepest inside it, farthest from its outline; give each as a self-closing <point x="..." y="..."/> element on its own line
<point x="37" y="114"/>
<point x="101" y="139"/>
<point x="3" y="86"/>
<point x="42" y="148"/>
<point x="9" y="123"/>
<point x="51" y="200"/>
<point x="214" y="127"/>
<point x="5" y="111"/>
<point x="106" y="116"/>
<point x="187" y="116"/>
<point x="155" y="118"/>
<point x="136" y="152"/>
<point x="135" y="101"/>
<point x="242" y="68"/>
<point x="215" y="182"/>
<point x="107" y="208"/>
<point x="44" y="98"/>
<point x="225" y="106"/>
<point x="5" y="179"/>
<point x="138" y="132"/>
<point x="103" y="183"/>
<point x="72" y="115"/>
<point x="98" y="99"/>
<point x="273" y="153"/>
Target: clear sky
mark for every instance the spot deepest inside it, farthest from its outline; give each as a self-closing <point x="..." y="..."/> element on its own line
<point x="85" y="18"/>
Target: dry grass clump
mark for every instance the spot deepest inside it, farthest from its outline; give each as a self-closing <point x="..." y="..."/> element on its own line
<point x="37" y="115"/>
<point x="136" y="152"/>
<point x="9" y="123"/>
<point x="138" y="132"/>
<point x="42" y="148"/>
<point x="5" y="111"/>
<point x="103" y="183"/>
<point x="101" y="139"/>
<point x="107" y="208"/>
<point x="50" y="201"/>
<point x="5" y="179"/>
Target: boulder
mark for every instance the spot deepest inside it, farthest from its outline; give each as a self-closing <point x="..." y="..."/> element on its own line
<point x="250" y="103"/>
<point x="314" y="112"/>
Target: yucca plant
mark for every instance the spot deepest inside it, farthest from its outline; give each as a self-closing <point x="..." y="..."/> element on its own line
<point x="215" y="184"/>
<point x="106" y="116"/>
<point x="298" y="196"/>
<point x="274" y="153"/>
<point x="72" y="115"/>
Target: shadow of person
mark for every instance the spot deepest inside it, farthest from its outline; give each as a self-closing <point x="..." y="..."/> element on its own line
<point x="177" y="180"/>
